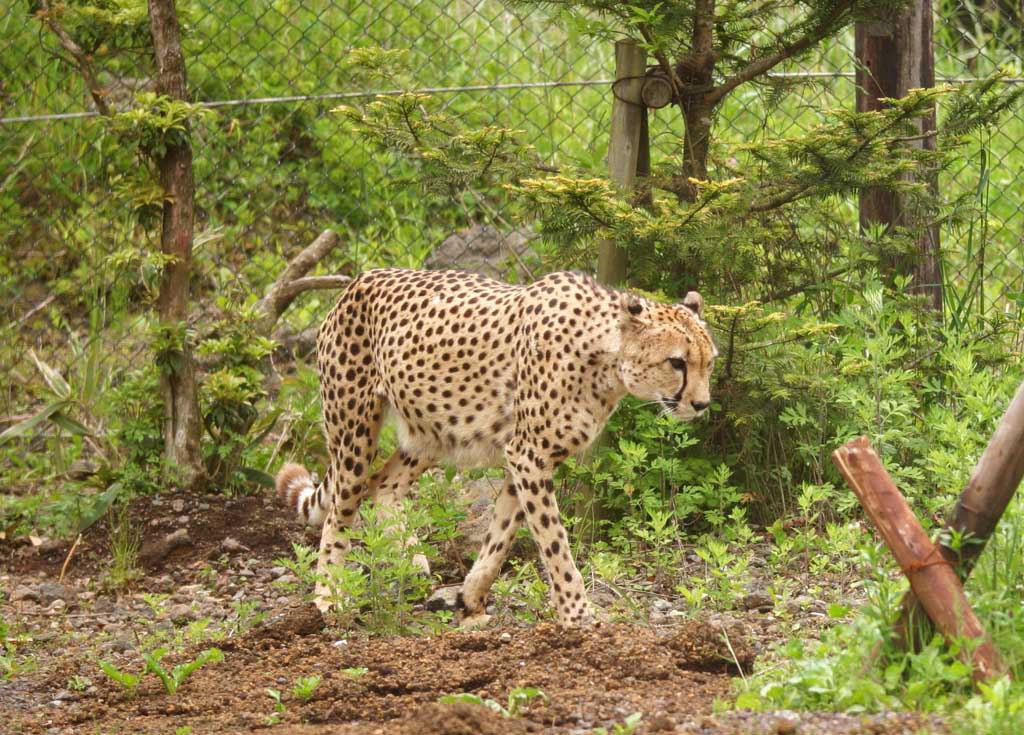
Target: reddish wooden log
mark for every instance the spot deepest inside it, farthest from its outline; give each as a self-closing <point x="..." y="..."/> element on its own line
<point x="931" y="577"/>
<point x="981" y="504"/>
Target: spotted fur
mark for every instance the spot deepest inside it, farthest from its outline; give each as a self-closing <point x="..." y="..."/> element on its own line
<point x="475" y="373"/>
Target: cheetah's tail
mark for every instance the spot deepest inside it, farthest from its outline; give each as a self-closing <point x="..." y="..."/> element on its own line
<point x="296" y="490"/>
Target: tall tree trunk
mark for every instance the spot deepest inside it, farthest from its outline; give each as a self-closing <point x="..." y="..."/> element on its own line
<point x="182" y="424"/>
<point x="697" y="71"/>
<point x="893" y="58"/>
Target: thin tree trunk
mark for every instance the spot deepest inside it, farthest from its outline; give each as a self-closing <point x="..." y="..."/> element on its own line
<point x="183" y="423"/>
<point x="893" y="58"/>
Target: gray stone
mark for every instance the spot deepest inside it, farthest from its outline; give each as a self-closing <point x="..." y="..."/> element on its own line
<point x="104" y="606"/>
<point x="51" y="591"/>
<point x="486" y="250"/>
<point x="444" y="598"/>
<point x="757" y="600"/>
<point x="181" y="614"/>
<point x="24" y="593"/>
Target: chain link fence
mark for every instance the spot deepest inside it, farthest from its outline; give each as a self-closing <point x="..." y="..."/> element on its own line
<point x="274" y="166"/>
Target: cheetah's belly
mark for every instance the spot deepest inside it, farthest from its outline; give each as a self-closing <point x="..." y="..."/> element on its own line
<point x="466" y="446"/>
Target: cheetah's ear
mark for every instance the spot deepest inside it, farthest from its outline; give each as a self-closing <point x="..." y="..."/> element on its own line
<point x="695" y="303"/>
<point x="633" y="312"/>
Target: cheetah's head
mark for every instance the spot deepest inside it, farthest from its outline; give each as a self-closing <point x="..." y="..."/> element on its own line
<point x="667" y="354"/>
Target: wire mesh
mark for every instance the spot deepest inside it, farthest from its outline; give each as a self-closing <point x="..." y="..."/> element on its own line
<point x="274" y="166"/>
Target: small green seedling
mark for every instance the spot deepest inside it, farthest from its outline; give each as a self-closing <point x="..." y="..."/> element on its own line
<point x="304" y="687"/>
<point x="79" y="683"/>
<point x="126" y="680"/>
<point x="517" y="698"/>
<point x="356" y="672"/>
<point x="176" y="676"/>
<point x="155" y="601"/>
<point x="627" y="727"/>
<point x="275" y="716"/>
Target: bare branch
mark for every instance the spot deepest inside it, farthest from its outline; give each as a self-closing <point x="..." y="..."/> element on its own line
<point x="82" y="60"/>
<point x="291" y="282"/>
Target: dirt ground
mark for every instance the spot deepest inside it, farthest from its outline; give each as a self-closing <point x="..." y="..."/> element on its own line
<point x="210" y="564"/>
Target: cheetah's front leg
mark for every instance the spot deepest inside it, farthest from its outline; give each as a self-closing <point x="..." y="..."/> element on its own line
<point x="532" y="472"/>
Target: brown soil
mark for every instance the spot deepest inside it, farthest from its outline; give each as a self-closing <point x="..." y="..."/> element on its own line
<point x="594" y="677"/>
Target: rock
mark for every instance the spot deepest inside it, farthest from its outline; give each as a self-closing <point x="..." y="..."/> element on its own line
<point x="444" y="598"/>
<point x="300" y="620"/>
<point x="660" y="604"/>
<point x="277" y="571"/>
<point x="52" y="591"/>
<point x="56" y="607"/>
<point x="178" y="505"/>
<point x="155" y="552"/>
<point x="104" y="606"/>
<point x="24" y="593"/>
<point x="486" y="250"/>
<point x="757" y="600"/>
<point x="181" y="614"/>
<point x="786" y="724"/>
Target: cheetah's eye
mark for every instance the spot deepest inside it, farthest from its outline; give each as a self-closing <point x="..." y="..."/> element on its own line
<point x="677" y="363"/>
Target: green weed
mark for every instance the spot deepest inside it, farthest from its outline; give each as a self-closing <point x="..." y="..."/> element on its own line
<point x="304" y="687"/>
<point x="518" y="698"/>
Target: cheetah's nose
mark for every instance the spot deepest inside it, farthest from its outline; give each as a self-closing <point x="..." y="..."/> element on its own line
<point x="699" y="405"/>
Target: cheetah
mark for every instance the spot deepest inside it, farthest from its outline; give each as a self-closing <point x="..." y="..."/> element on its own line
<point x="475" y="373"/>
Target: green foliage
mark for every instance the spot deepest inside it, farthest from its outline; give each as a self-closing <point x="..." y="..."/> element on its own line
<point x="174" y="678"/>
<point x="126" y="679"/>
<point x="125" y="542"/>
<point x="171" y="680"/>
<point x="234" y="356"/>
<point x="379" y="583"/>
<point x="279" y="707"/>
<point x="305" y="686"/>
<point x="518" y="698"/>
<point x="157" y="123"/>
<point x="627" y="727"/>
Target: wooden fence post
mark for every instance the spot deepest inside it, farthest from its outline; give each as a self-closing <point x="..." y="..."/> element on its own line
<point x="931" y="577"/>
<point x="894" y="57"/>
<point x="981" y="504"/>
<point x="624" y="146"/>
<point x="183" y="422"/>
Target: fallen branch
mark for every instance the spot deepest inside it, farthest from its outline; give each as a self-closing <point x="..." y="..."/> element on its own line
<point x="976" y="513"/>
<point x="292" y="282"/>
<point x="931" y="576"/>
